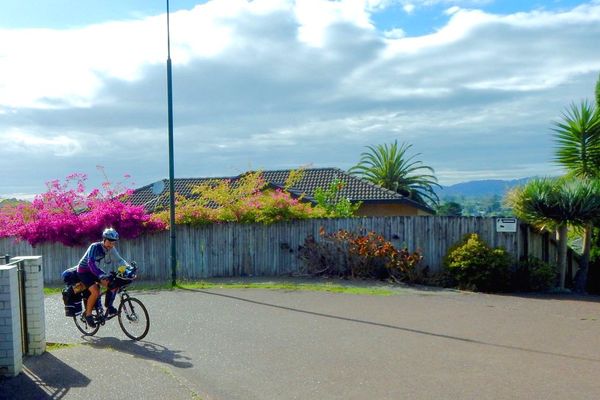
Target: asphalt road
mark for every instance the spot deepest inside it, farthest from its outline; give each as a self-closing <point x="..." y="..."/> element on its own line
<point x="261" y="344"/>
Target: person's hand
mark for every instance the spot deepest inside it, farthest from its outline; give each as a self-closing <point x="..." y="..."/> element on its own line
<point x="106" y="279"/>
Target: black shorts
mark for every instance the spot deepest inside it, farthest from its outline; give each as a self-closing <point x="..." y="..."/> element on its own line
<point x="88" y="278"/>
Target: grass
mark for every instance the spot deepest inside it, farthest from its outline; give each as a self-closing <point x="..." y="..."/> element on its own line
<point x="51" y="346"/>
<point x="272" y="285"/>
<point x="293" y="286"/>
<point x="52" y="290"/>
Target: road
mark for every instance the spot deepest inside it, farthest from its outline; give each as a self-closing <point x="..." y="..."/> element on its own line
<point x="250" y="344"/>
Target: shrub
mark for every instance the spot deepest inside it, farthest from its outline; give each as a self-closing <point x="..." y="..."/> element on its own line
<point x="476" y="266"/>
<point x="347" y="254"/>
<point x="67" y="215"/>
<point x="533" y="274"/>
<point x="245" y="200"/>
<point x="332" y="204"/>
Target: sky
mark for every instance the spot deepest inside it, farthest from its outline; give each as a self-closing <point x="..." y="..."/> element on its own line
<point x="474" y="86"/>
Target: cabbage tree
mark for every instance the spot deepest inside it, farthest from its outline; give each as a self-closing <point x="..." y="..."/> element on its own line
<point x="578" y="139"/>
<point x="554" y="203"/>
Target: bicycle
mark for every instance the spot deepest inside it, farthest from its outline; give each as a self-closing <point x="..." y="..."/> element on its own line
<point x="133" y="317"/>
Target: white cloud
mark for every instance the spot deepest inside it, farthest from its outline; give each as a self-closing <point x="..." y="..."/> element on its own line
<point x="395" y="33"/>
<point x="452" y="10"/>
<point x="408" y="8"/>
<point x="23" y="143"/>
<point x="278" y="83"/>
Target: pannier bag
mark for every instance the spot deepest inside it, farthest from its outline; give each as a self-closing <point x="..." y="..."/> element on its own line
<point x="73" y="293"/>
<point x="73" y="309"/>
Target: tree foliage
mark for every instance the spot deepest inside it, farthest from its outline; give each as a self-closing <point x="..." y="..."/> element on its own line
<point x="391" y="167"/>
<point x="331" y="202"/>
<point x="249" y="199"/>
<point x="578" y="138"/>
<point x="554" y="203"/>
<point x="598" y="92"/>
<point x="450" y="208"/>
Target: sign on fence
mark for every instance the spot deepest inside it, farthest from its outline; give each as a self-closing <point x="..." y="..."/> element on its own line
<point x="506" y="224"/>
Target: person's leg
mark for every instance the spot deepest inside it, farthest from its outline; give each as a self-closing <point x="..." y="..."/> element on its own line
<point x="109" y="297"/>
<point x="91" y="301"/>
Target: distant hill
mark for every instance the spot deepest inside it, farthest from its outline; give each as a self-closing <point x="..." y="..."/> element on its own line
<point x="8" y="202"/>
<point x="483" y="188"/>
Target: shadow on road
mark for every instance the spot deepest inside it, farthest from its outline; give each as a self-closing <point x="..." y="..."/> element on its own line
<point x="43" y="377"/>
<point x="141" y="349"/>
<point x="588" y="298"/>
<point x="400" y="328"/>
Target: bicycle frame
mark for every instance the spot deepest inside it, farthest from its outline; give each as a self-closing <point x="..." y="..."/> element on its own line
<point x="131" y="313"/>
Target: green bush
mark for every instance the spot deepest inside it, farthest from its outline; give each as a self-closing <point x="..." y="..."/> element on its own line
<point x="476" y="266"/>
<point x="533" y="274"/>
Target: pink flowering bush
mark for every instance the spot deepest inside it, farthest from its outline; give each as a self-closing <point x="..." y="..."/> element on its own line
<point x="66" y="214"/>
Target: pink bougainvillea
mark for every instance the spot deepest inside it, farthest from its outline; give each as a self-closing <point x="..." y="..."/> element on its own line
<point x="66" y="214"/>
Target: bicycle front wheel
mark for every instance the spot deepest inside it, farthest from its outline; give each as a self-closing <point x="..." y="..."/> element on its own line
<point x="134" y="319"/>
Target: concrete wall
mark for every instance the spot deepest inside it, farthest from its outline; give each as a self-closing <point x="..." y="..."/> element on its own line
<point x="10" y="322"/>
<point x="11" y="355"/>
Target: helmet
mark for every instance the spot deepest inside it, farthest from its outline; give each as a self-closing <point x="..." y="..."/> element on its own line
<point x="110" y="234"/>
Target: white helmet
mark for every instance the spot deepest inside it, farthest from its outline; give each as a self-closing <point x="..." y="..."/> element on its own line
<point x="110" y="234"/>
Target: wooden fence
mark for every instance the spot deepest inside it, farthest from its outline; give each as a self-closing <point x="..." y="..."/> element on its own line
<point x="229" y="250"/>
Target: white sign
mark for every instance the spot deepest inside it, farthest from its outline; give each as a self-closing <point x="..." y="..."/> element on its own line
<point x="506" y="224"/>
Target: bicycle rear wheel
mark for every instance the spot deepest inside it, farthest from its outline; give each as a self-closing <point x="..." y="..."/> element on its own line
<point x="82" y="324"/>
<point x="133" y="318"/>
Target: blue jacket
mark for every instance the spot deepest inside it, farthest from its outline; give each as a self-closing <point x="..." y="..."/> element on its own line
<point x="96" y="255"/>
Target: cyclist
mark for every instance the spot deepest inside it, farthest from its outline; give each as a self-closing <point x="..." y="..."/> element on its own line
<point x="90" y="273"/>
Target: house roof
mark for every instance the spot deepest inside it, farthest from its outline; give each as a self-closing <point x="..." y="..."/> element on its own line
<point x="156" y="195"/>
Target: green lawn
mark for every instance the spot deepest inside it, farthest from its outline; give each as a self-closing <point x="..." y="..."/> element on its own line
<point x="351" y="288"/>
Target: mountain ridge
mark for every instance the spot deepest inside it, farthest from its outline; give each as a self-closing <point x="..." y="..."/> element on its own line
<point x="481" y="188"/>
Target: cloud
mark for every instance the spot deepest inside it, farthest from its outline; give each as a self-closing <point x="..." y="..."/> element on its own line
<point x="279" y="84"/>
<point x="22" y="144"/>
<point x="408" y="8"/>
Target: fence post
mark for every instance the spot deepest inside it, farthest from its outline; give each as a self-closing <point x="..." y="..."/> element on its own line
<point x="6" y="259"/>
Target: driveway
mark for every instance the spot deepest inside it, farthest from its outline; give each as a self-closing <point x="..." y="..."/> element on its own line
<point x="264" y="344"/>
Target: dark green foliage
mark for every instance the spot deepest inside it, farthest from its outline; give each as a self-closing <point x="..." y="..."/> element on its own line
<point x="478" y="206"/>
<point x="598" y="92"/>
<point x="450" y="208"/>
<point x="534" y="275"/>
<point x="476" y="266"/>
<point x="392" y="168"/>
<point x="578" y="139"/>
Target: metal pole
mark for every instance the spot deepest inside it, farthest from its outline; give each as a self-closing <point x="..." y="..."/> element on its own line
<point x="171" y="162"/>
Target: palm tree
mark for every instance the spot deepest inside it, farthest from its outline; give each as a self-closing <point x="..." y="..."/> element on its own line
<point x="391" y="168"/>
<point x="598" y="92"/>
<point x="578" y="137"/>
<point x="554" y="203"/>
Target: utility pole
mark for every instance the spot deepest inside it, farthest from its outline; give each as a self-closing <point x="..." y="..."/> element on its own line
<point x="171" y="158"/>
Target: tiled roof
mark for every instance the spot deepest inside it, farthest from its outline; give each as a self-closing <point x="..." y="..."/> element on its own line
<point x="355" y="189"/>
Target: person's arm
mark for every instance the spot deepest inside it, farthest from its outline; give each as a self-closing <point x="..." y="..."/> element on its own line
<point x="94" y="268"/>
<point x="118" y="257"/>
